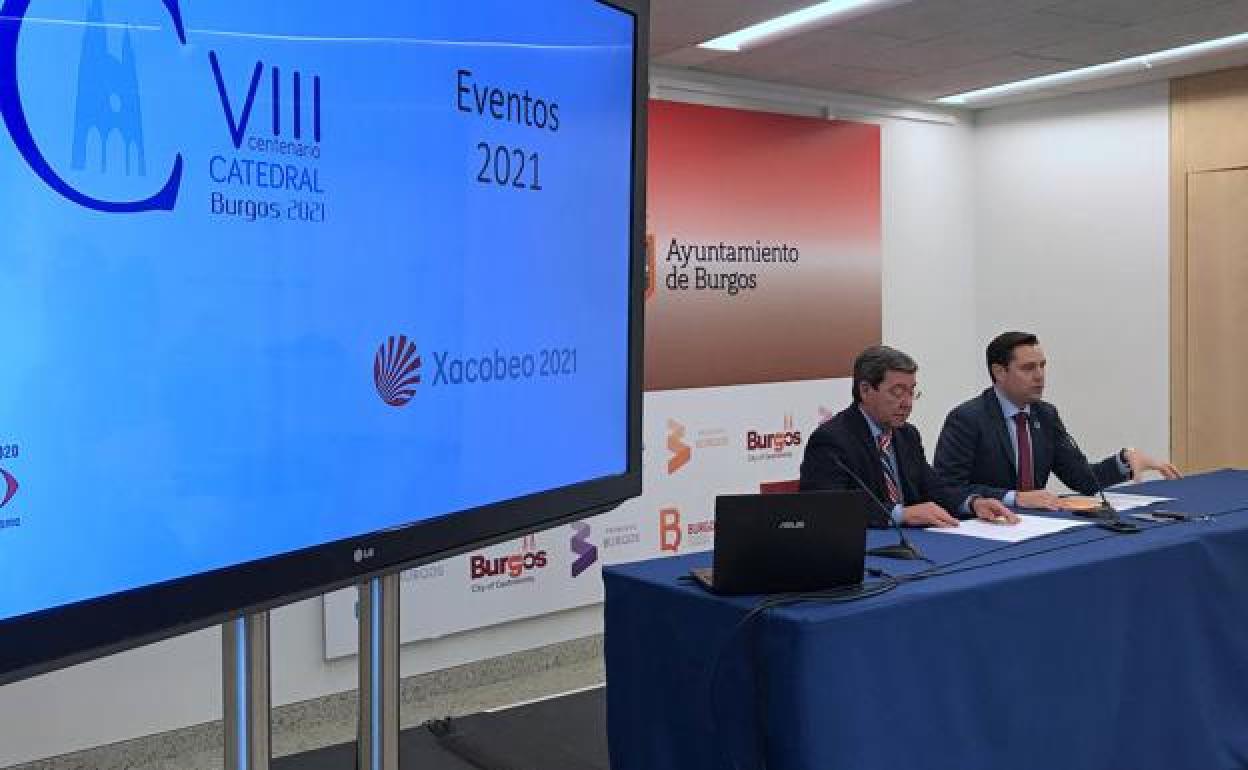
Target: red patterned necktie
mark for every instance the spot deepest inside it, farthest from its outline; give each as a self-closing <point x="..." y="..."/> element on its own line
<point x="1026" y="482"/>
<point x="890" y="483"/>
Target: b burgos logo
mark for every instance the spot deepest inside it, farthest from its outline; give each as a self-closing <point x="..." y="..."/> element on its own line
<point x="669" y="529"/>
<point x="774" y="444"/>
<point x="109" y="103"/>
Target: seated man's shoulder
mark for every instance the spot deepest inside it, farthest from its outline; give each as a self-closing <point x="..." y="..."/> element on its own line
<point x="1044" y="410"/>
<point x="830" y="427"/>
<point x="972" y="408"/>
<point x="911" y="431"/>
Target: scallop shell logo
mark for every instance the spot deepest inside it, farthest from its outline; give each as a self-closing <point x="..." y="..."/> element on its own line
<point x="396" y="370"/>
<point x="10" y="487"/>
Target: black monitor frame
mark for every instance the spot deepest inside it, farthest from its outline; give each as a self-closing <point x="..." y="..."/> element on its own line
<point x="47" y="640"/>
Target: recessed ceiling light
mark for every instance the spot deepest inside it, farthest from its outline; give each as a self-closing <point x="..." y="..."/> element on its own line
<point x="1096" y="71"/>
<point x="735" y="41"/>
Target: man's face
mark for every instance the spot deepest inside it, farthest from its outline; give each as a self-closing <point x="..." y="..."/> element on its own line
<point x="891" y="403"/>
<point x="1023" y="380"/>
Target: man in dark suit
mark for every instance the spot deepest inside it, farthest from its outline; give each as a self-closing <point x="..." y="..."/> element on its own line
<point x="1004" y="442"/>
<point x="872" y="441"/>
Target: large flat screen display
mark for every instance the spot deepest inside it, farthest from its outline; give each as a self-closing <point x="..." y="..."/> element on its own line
<point x="291" y="292"/>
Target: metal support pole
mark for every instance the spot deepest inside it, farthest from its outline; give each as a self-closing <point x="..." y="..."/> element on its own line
<point x="377" y="745"/>
<point x="245" y="691"/>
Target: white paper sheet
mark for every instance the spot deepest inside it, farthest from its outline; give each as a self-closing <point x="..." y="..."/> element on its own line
<point x="1028" y="526"/>
<point x="1123" y="502"/>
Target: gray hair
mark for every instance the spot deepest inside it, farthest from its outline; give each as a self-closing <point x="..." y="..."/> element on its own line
<point x="873" y="365"/>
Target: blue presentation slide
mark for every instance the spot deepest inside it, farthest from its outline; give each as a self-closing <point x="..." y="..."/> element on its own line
<point x="275" y="274"/>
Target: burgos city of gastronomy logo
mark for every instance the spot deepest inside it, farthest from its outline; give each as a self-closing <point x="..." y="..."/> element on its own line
<point x="773" y="444"/>
<point x="513" y="568"/>
<point x="266" y="168"/>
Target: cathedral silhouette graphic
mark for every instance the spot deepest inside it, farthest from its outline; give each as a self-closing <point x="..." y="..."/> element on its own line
<point x="108" y="97"/>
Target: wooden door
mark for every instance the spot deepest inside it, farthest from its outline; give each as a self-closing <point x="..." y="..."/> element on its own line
<point x="1216" y="348"/>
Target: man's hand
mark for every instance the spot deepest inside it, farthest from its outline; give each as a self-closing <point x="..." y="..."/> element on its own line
<point x="993" y="510"/>
<point x="1037" y="499"/>
<point x="1141" y="463"/>
<point x="927" y="515"/>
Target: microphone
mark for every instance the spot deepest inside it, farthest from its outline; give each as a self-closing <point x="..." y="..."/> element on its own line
<point x="903" y="548"/>
<point x="1107" y="515"/>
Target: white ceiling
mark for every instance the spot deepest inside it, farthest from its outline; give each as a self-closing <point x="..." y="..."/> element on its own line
<point x="921" y="50"/>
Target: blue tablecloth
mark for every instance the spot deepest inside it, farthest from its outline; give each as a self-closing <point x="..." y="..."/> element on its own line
<point x="1082" y="650"/>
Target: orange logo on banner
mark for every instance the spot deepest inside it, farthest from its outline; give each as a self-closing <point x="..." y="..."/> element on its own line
<point x="669" y="529"/>
<point x="681" y="452"/>
<point x="651" y="265"/>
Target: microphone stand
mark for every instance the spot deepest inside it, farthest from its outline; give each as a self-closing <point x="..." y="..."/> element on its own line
<point x="903" y="548"/>
<point x="1106" y="515"/>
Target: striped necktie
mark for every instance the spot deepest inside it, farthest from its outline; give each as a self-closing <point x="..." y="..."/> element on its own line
<point x="890" y="481"/>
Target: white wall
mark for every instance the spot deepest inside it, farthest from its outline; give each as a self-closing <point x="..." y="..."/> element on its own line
<point x="1074" y="191"/>
<point x="1072" y="212"/>
<point x="929" y="261"/>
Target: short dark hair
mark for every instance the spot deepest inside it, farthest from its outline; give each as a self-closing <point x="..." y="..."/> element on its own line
<point x="873" y="365"/>
<point x="1001" y="349"/>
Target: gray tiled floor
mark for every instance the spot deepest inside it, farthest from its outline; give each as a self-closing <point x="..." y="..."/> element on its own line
<point x="326" y="721"/>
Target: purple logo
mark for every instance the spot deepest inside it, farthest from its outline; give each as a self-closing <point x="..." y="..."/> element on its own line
<point x="585" y="551"/>
<point x="12" y="16"/>
<point x="395" y="370"/>
<point x="10" y="487"/>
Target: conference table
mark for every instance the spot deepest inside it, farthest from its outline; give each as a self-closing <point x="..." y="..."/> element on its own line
<point x="1082" y="649"/>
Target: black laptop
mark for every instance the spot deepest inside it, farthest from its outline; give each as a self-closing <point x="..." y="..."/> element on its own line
<point x="783" y="543"/>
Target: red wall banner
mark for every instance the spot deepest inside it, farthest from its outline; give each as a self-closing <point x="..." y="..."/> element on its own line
<point x="763" y="246"/>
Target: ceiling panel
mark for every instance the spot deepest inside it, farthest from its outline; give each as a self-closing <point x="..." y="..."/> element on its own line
<point x="847" y="80"/>
<point x="996" y="39"/>
<point x="1116" y="44"/>
<point x="826" y="48"/>
<point x="975" y="76"/>
<point x="1217" y="21"/>
<point x="927" y="19"/>
<point x="924" y="49"/>
<point x="679" y="23"/>
<point x="1127" y="11"/>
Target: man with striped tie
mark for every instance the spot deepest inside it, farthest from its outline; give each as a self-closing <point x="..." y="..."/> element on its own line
<point x="1006" y="441"/>
<point x="872" y="444"/>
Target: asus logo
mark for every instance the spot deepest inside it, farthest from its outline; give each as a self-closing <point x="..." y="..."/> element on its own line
<point x="792" y="525"/>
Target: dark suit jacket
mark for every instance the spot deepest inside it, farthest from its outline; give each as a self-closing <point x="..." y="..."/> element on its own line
<point x="848" y="437"/>
<point x="975" y="449"/>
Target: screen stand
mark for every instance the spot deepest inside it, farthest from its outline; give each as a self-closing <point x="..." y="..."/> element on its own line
<point x="245" y="691"/>
<point x="377" y="746"/>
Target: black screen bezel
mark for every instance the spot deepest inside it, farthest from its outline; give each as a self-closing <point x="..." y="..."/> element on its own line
<point x="47" y="640"/>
